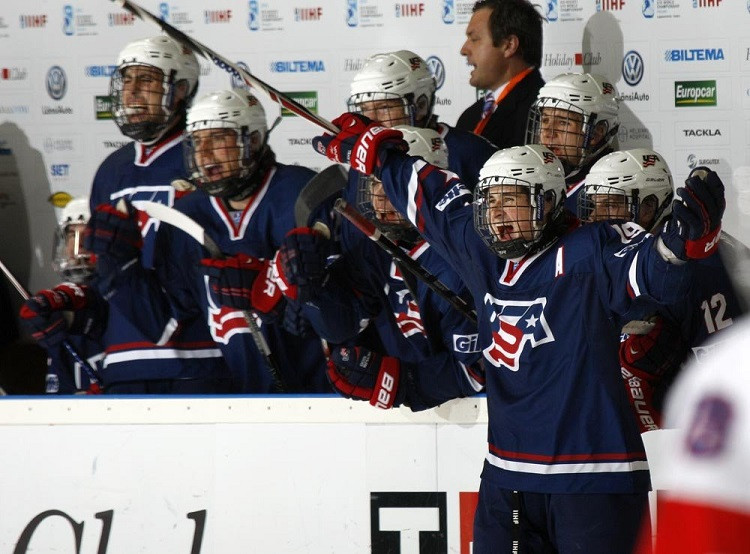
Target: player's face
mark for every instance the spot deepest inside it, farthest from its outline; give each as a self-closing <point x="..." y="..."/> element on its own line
<point x="487" y="60"/>
<point x="142" y="92"/>
<point x="384" y="210"/>
<point x="389" y="113"/>
<point x="217" y="153"/>
<point x="510" y="213"/>
<point x="74" y="248"/>
<point x="561" y="132"/>
<point x="606" y="207"/>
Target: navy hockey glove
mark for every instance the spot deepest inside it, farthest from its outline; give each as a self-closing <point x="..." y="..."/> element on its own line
<point x="648" y="362"/>
<point x="114" y="233"/>
<point x="245" y="283"/>
<point x="43" y="313"/>
<point x="359" y="143"/>
<point x="361" y="374"/>
<point x="693" y="230"/>
<point x="300" y="263"/>
<point x="295" y="322"/>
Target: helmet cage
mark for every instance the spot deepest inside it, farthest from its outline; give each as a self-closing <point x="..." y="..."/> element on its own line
<point x="485" y="226"/>
<point x="387" y="116"/>
<point x="70" y="258"/>
<point x="605" y="209"/>
<point x="391" y="223"/>
<point x="233" y="184"/>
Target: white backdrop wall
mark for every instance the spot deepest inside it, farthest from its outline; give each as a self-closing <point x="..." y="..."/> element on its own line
<point x="56" y="57"/>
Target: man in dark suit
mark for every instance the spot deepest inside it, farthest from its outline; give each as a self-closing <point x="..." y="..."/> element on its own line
<point x="504" y="47"/>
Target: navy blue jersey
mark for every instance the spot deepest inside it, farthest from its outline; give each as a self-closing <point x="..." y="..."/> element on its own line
<point x="257" y="231"/>
<point x="64" y="374"/>
<point x="133" y="350"/>
<point x="467" y="152"/>
<point x="559" y="421"/>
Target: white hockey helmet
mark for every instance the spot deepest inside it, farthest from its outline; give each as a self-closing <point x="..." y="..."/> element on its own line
<point x="635" y="185"/>
<point x="179" y="68"/>
<point x="426" y="143"/>
<point x="400" y="76"/>
<point x="596" y="101"/>
<point x="227" y="172"/>
<point x="531" y="169"/>
<point x="70" y="259"/>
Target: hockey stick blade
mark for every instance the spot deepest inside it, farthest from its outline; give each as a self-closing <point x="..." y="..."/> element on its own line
<point x="320" y="189"/>
<point x="94" y="387"/>
<point x="227" y="65"/>
<point x="374" y="234"/>
<point x="177" y="219"/>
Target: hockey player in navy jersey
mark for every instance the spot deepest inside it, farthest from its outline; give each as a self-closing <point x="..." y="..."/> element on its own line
<point x="245" y="202"/>
<point x="432" y="344"/>
<point x="561" y="432"/>
<point x="636" y="186"/>
<point x="576" y="116"/>
<point x="155" y="80"/>
<point x="398" y="88"/>
<point x="72" y="310"/>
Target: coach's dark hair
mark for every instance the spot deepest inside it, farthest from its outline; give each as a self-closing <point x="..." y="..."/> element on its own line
<point x="520" y="18"/>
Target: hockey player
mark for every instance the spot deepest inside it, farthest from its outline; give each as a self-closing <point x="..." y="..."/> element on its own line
<point x="245" y="203"/>
<point x="71" y="311"/>
<point x="576" y="116"/>
<point x="560" y="429"/>
<point x="429" y="341"/>
<point x="636" y="186"/>
<point x="155" y="80"/>
<point x="398" y="88"/>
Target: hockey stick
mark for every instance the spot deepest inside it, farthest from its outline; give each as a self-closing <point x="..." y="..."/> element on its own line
<point x="94" y="387"/>
<point x="373" y="233"/>
<point x="173" y="217"/>
<point x="320" y="189"/>
<point x="227" y="65"/>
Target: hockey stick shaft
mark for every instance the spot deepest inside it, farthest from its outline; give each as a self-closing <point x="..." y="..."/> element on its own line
<point x="177" y="219"/>
<point x="229" y="66"/>
<point x="90" y="373"/>
<point x="374" y="234"/>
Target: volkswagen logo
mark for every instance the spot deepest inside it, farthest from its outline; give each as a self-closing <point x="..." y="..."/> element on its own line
<point x="57" y="84"/>
<point x="632" y="68"/>
<point x="438" y="70"/>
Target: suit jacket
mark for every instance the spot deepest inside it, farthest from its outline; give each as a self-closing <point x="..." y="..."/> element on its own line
<point x="507" y="125"/>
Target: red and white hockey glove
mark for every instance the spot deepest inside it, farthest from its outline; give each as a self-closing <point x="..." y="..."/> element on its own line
<point x="361" y="374"/>
<point x="359" y="143"/>
<point x="648" y="361"/>
<point x="693" y="230"/>
<point x="114" y="233"/>
<point x="245" y="283"/>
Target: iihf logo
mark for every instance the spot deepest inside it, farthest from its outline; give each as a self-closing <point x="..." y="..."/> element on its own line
<point x="352" y="17"/>
<point x="551" y="11"/>
<point x="57" y="83"/>
<point x="514" y="324"/>
<point x="449" y="11"/>
<point x="438" y="70"/>
<point x="164" y="11"/>
<point x="632" y="68"/>
<point x="648" y="8"/>
<point x="68" y="20"/>
<point x="253" y="17"/>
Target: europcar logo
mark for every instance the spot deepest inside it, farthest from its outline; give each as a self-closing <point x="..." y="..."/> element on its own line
<point x="438" y="70"/>
<point x="694" y="93"/>
<point x="308" y="99"/>
<point x="694" y="55"/>
<point x="298" y="66"/>
<point x="57" y="82"/>
<point x="632" y="68"/>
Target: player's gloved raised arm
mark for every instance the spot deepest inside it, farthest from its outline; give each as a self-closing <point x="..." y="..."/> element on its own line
<point x="52" y="314"/>
<point x="245" y="283"/>
<point x="113" y="234"/>
<point x="301" y="263"/>
<point x="361" y="143"/>
<point x="649" y="359"/>
<point x="694" y="228"/>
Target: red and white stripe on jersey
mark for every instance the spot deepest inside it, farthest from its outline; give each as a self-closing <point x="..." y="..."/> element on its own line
<point x="237" y="231"/>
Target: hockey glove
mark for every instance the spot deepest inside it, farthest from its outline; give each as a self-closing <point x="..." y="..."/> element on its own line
<point x="245" y="283"/>
<point x="360" y="143"/>
<point x="648" y="361"/>
<point x="361" y="374"/>
<point x="295" y="322"/>
<point x="114" y="233"/>
<point x="43" y="313"/>
<point x="300" y="263"/>
<point x="693" y="230"/>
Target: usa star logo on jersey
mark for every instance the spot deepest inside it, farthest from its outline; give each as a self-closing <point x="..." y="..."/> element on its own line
<point x="515" y="323"/>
